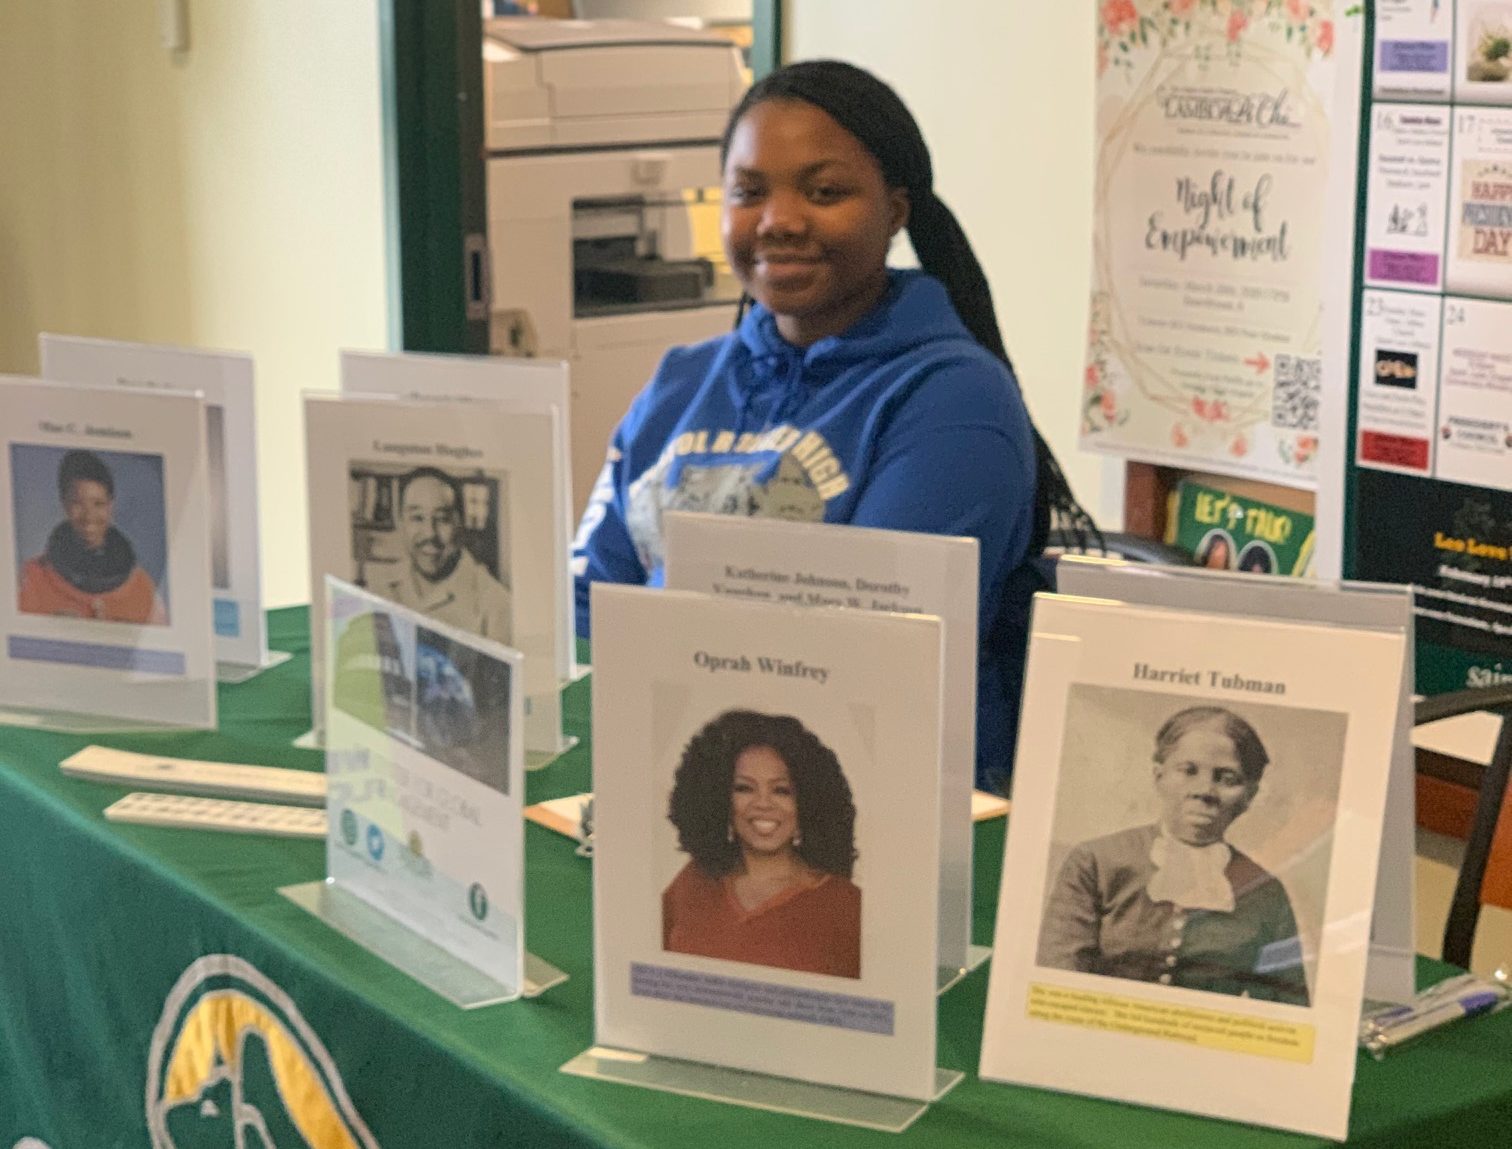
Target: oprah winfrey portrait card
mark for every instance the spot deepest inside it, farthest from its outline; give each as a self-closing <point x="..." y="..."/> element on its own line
<point x="766" y="836"/>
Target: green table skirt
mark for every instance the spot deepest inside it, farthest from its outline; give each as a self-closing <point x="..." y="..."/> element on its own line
<point x="100" y="922"/>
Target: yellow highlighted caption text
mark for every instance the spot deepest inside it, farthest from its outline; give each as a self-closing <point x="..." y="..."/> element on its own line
<point x="1206" y="1028"/>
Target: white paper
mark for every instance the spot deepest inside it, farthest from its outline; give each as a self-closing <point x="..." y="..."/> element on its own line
<point x="1397" y="395"/>
<point x="1413" y="48"/>
<point x="1103" y="679"/>
<point x="1480" y="203"/>
<point x="226" y="382"/>
<point x="832" y="981"/>
<point x="127" y="634"/>
<point x="1475" y="391"/>
<point x="1405" y="218"/>
<point x="530" y="385"/>
<point x="426" y="775"/>
<point x="1483" y="68"/>
<point x="823" y="564"/>
<point x="361" y="451"/>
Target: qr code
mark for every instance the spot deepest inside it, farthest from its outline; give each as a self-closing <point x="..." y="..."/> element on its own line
<point x="1298" y="384"/>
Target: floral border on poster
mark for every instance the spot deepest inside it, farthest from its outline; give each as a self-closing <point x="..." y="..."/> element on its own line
<point x="1123" y="24"/>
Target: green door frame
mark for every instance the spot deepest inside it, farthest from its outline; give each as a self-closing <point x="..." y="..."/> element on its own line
<point x="431" y="54"/>
<point x="435" y="190"/>
<point x="766" y="46"/>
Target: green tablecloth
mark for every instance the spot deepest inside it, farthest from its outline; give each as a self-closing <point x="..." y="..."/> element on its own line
<point x="99" y="921"/>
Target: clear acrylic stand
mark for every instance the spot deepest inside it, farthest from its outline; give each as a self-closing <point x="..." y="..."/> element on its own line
<point x="407" y="951"/>
<point x="544" y="740"/>
<point x="534" y="759"/>
<point x="233" y="673"/>
<point x="758" y="1090"/>
<point x="63" y="722"/>
<point x="539" y="759"/>
<point x="949" y="976"/>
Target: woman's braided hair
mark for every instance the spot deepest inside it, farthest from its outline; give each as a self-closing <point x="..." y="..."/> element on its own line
<point x="872" y="112"/>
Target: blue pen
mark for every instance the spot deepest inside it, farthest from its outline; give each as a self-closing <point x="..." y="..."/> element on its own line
<point x="1427" y="999"/>
<point x="1471" y="1004"/>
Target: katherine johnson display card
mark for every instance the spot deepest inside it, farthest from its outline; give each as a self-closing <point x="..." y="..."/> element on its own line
<point x="766" y="836"/>
<point x="441" y="507"/>
<point x="105" y="554"/>
<point x="226" y="381"/>
<point x="826" y="564"/>
<point x="1185" y="911"/>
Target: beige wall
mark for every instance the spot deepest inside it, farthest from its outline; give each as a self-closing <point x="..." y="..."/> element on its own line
<point x="227" y="197"/>
<point x="1003" y="92"/>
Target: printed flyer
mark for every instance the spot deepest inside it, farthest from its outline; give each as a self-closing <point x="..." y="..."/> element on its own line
<point x="1480" y="203"/>
<point x="1409" y="166"/>
<point x="1430" y="495"/>
<point x="1224" y="531"/>
<point x="1413" y="39"/>
<point x="1475" y="394"/>
<point x="1483" y="51"/>
<point x="1397" y="398"/>
<point x="1209" y="245"/>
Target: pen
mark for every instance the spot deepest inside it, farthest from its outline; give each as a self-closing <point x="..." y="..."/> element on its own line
<point x="1396" y="1032"/>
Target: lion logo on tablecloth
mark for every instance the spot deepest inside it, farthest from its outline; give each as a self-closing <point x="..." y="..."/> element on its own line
<point x="233" y="1063"/>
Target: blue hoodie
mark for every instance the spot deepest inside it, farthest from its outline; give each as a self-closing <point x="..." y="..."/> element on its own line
<point x="903" y="421"/>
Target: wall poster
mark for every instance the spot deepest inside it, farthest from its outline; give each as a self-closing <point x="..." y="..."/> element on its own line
<point x="1430" y="491"/>
<point x="1210" y="248"/>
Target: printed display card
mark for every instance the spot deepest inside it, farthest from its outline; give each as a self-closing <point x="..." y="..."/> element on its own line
<point x="766" y="836"/>
<point x="1407" y="196"/>
<point x="1475" y="391"/>
<point x="1413" y="41"/>
<point x="445" y="508"/>
<point x="815" y="564"/>
<point x="1185" y="910"/>
<point x="539" y="386"/>
<point x="1483" y="50"/>
<point x="225" y="381"/>
<point x="105" y="558"/>
<point x="1397" y="395"/>
<point x="425" y="769"/>
<point x="1480" y="203"/>
<point x="1393" y="934"/>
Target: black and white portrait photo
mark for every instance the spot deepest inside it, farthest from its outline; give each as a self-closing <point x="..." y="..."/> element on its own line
<point x="1191" y="842"/>
<point x="434" y="540"/>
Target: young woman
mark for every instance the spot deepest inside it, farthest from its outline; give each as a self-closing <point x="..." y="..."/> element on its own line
<point x="765" y="815"/>
<point x="849" y="392"/>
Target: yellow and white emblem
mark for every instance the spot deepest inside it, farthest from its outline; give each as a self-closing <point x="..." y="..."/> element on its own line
<point x="234" y="1064"/>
